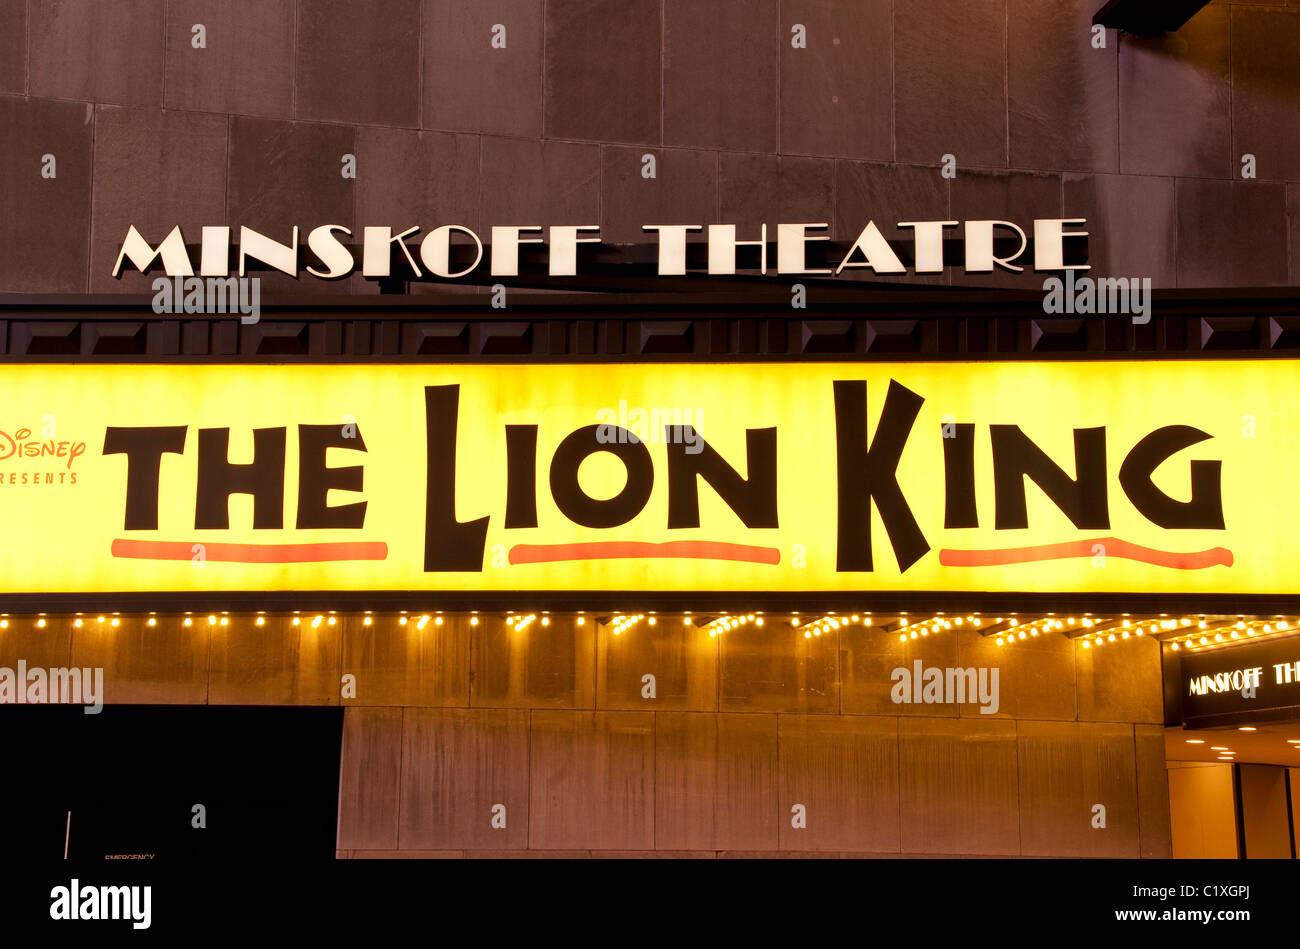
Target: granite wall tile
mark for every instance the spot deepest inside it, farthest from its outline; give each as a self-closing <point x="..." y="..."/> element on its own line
<point x="99" y="52"/>
<point x="957" y="787"/>
<point x="1173" y="100"/>
<point x="949" y="83"/>
<point x="719" y="81"/>
<point x="46" y="225"/>
<point x="472" y="82"/>
<point x="773" y="668"/>
<point x="359" y="63"/>
<point x="837" y="92"/>
<point x="539" y="183"/>
<point x="843" y="772"/>
<point x="465" y="779"/>
<point x="1265" y="100"/>
<point x="13" y="46"/>
<point x="246" y="63"/>
<point x="163" y="664"/>
<point x="154" y="170"/>
<point x="592" y="781"/>
<point x="1132" y="228"/>
<point x="370" y="779"/>
<point x="603" y="70"/>
<point x="1063" y="111"/>
<point x="1231" y="233"/>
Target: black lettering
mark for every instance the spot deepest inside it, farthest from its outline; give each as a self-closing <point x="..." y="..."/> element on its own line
<point x="449" y="545"/>
<point x="575" y="504"/>
<point x="315" y="480"/>
<point x="869" y="471"/>
<point x="218" y="479"/>
<point x="1205" y="509"/>
<point x="521" y="476"/>
<point x="144" y="448"/>
<point x="1081" y="499"/>
<point x="959" y="508"/>
<point x="753" y="499"/>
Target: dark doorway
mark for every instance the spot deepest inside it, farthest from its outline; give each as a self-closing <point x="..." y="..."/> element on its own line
<point x="267" y="779"/>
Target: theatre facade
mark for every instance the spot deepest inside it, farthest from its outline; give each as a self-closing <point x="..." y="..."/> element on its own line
<point x="701" y="576"/>
<point x="910" y="482"/>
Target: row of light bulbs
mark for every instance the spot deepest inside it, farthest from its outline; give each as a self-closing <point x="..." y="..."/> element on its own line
<point x="1188" y="633"/>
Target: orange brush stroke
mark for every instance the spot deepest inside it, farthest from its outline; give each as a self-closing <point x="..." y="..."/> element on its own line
<point x="250" y="553"/>
<point x="1194" y="560"/>
<point x="623" y="549"/>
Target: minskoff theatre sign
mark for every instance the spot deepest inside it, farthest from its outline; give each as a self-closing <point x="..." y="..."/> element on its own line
<point x="380" y="247"/>
<point x="1054" y="477"/>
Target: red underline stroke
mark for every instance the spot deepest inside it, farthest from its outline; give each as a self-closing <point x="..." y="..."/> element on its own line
<point x="1112" y="547"/>
<point x="625" y="550"/>
<point x="249" y="553"/>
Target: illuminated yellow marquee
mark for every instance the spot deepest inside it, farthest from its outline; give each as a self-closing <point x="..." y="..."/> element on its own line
<point x="1172" y="476"/>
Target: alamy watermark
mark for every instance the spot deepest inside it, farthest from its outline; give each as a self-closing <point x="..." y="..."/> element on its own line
<point x="37" y="686"/>
<point x="674" y="426"/>
<point x="211" y="296"/>
<point x="946" y="686"/>
<point x="1098" y="295"/>
<point x="75" y="901"/>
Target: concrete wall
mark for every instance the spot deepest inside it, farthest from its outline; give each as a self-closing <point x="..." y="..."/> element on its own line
<point x="551" y="723"/>
<point x="448" y="721"/>
<point x="1143" y="137"/>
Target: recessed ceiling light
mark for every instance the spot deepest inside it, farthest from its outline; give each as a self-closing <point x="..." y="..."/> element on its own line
<point x="1219" y="748"/>
<point x="1196" y="741"/>
<point x="1246" y="728"/>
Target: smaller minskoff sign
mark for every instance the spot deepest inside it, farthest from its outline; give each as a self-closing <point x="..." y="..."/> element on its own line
<point x="1253" y="681"/>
